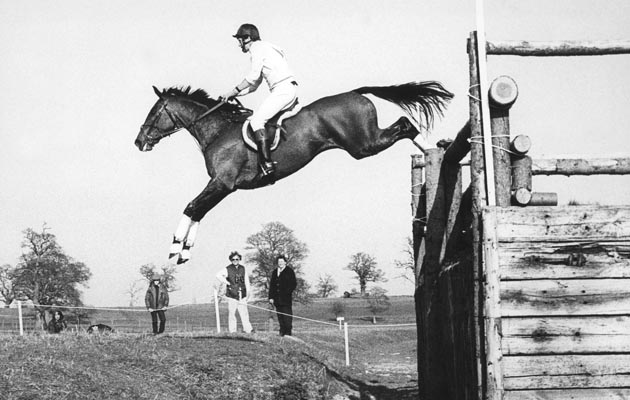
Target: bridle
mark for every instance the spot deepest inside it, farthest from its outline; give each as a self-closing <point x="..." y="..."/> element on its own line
<point x="178" y="123"/>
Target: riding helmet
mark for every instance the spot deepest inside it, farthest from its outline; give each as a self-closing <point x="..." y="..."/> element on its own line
<point x="248" y="30"/>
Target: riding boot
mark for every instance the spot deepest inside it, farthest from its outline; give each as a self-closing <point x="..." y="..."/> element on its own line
<point x="267" y="167"/>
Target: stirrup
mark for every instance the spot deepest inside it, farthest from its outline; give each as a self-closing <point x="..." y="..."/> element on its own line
<point x="267" y="168"/>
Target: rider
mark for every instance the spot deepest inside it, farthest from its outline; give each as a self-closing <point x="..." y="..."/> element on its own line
<point x="269" y="62"/>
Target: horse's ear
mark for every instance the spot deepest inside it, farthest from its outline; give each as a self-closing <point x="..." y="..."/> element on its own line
<point x="157" y="91"/>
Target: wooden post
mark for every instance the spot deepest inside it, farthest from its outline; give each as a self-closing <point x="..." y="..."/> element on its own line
<point x="502" y="93"/>
<point x="418" y="211"/>
<point x="521" y="180"/>
<point x="458" y="149"/>
<point x="21" y="322"/>
<point x="484" y="106"/>
<point x="216" y="310"/>
<point x="478" y="192"/>
<point x="345" y="339"/>
<point x="492" y="307"/>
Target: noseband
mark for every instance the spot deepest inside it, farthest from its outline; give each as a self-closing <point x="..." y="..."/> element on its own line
<point x="177" y="122"/>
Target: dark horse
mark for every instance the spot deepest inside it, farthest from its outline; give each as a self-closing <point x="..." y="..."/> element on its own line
<point x="347" y="121"/>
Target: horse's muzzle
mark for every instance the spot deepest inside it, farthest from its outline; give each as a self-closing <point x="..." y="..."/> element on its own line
<point x="142" y="143"/>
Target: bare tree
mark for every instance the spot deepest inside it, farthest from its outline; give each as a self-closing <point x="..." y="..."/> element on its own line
<point x="167" y="270"/>
<point x="46" y="275"/>
<point x="364" y="265"/>
<point x="407" y="264"/>
<point x="275" y="239"/>
<point x="378" y="302"/>
<point x="134" y="290"/>
<point x="326" y="286"/>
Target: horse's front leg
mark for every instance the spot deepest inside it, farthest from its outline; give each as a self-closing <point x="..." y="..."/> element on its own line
<point x="186" y="232"/>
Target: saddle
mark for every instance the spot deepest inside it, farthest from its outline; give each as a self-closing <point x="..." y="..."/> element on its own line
<point x="273" y="127"/>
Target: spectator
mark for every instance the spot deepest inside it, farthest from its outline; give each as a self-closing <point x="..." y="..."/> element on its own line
<point x="236" y="279"/>
<point x="58" y="323"/>
<point x="156" y="301"/>
<point x="281" y="289"/>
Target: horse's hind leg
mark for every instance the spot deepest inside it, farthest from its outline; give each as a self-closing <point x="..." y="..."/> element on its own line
<point x="385" y="138"/>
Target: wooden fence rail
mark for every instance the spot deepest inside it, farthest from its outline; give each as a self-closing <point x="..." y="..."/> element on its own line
<point x="558" y="49"/>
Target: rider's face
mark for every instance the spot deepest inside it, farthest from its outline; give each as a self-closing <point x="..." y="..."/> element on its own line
<point x="244" y="44"/>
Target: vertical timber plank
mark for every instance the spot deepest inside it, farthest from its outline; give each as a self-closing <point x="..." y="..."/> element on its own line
<point x="491" y="308"/>
<point x="478" y="189"/>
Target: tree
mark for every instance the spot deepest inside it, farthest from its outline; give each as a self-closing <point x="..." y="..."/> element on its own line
<point x="364" y="265"/>
<point x="378" y="302"/>
<point x="326" y="286"/>
<point x="134" y="291"/>
<point x="275" y="239"/>
<point x="46" y="275"/>
<point x="407" y="265"/>
<point x="168" y="272"/>
<point x="7" y="291"/>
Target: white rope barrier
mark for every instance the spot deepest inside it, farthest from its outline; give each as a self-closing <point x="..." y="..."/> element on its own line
<point x="216" y="298"/>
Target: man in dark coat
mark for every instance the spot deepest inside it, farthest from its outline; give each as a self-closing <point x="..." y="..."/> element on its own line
<point x="156" y="301"/>
<point x="281" y="289"/>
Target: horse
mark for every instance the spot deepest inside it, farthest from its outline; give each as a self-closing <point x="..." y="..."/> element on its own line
<point x="345" y="121"/>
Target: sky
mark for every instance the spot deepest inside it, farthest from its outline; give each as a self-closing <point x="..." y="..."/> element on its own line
<point x="76" y="80"/>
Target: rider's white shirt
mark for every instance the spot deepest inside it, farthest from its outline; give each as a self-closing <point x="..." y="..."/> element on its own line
<point x="268" y="62"/>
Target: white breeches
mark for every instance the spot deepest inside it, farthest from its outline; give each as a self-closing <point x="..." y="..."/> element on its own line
<point x="281" y="96"/>
<point x="240" y="306"/>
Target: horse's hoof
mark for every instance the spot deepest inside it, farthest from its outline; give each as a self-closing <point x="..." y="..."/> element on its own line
<point x="182" y="260"/>
<point x="171" y="255"/>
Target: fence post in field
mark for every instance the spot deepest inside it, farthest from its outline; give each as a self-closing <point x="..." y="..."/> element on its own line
<point x="216" y="310"/>
<point x="19" y="304"/>
<point x="345" y="335"/>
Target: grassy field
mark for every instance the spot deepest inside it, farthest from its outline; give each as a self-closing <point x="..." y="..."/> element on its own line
<point x="193" y="363"/>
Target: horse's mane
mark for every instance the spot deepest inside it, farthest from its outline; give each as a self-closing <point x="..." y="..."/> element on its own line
<point x="202" y="97"/>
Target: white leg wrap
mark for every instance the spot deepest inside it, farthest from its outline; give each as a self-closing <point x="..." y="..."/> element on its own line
<point x="182" y="228"/>
<point x="176" y="248"/>
<point x="192" y="234"/>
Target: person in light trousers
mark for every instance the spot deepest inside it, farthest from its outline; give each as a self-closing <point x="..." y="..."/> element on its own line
<point x="238" y="288"/>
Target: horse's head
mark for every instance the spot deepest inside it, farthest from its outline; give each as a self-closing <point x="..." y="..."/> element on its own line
<point x="160" y="123"/>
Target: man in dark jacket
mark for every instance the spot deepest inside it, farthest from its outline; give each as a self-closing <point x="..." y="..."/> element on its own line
<point x="156" y="301"/>
<point x="281" y="289"/>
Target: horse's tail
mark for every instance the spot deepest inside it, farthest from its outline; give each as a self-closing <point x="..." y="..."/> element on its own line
<point x="425" y="98"/>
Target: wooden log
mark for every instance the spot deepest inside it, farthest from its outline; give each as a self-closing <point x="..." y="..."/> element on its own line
<point x="419" y="213"/>
<point x="581" y="166"/>
<point x="567" y="371"/>
<point x="417" y="161"/>
<point x="500" y="127"/>
<point x="521" y="180"/>
<point x="565" y="297"/>
<point x="568" y="394"/>
<point x="503" y="92"/>
<point x="492" y="305"/>
<point x="564" y="224"/>
<point x="543" y="199"/>
<point x="563" y="335"/>
<point x="416" y="182"/>
<point x="431" y="376"/>
<point x="478" y="191"/>
<point x="460" y="146"/>
<point x="558" y="48"/>
<point x="523" y="197"/>
<point x="520" y="145"/>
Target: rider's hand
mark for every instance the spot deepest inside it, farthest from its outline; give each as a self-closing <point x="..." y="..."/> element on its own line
<point x="228" y="95"/>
